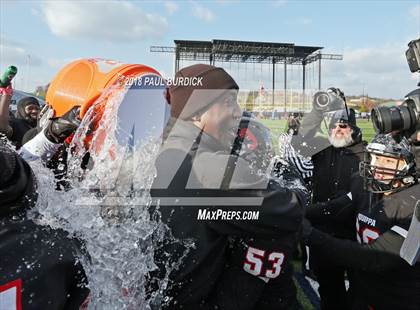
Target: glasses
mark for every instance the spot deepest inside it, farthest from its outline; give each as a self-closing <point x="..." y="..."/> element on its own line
<point x="342" y="126"/>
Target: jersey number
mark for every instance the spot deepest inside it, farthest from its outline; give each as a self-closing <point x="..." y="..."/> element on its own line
<point x="255" y="260"/>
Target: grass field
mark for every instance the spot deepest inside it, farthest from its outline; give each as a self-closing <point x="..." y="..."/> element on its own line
<point x="367" y="129"/>
<point x="279" y="126"/>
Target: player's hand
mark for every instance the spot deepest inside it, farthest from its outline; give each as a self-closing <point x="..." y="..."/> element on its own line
<point x="60" y="128"/>
<point x="7" y="90"/>
<point x="306" y="230"/>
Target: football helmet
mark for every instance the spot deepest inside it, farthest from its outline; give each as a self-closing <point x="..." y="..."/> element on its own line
<point x="253" y="143"/>
<point x="388" y="165"/>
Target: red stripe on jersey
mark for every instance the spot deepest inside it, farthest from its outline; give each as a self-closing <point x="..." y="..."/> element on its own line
<point x="14" y="284"/>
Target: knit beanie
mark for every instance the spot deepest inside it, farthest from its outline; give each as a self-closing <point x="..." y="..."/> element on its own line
<point x="196" y="88"/>
<point x="345" y="116"/>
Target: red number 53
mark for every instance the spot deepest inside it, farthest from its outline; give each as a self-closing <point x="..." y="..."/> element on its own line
<point x="254" y="262"/>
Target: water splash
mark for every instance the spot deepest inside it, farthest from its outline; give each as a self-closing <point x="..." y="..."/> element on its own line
<point x="285" y="171"/>
<point x="107" y="207"/>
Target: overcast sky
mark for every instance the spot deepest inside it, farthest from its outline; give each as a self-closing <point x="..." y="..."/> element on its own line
<point x="371" y="35"/>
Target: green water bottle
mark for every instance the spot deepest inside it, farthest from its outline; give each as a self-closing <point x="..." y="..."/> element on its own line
<point x="8" y="76"/>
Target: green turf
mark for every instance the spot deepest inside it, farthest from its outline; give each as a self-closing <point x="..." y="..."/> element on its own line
<point x="301" y="297"/>
<point x="367" y="129"/>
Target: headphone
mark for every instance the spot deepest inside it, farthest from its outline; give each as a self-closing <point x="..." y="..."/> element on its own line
<point x="338" y="92"/>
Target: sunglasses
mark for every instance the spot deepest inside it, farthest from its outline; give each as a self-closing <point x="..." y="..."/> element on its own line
<point x="342" y="126"/>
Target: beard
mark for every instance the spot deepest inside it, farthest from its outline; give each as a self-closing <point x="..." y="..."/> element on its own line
<point x="343" y="141"/>
<point x="31" y="121"/>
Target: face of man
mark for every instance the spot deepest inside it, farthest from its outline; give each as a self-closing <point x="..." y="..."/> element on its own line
<point x="383" y="164"/>
<point x="340" y="135"/>
<point x="32" y="110"/>
<point x="221" y="120"/>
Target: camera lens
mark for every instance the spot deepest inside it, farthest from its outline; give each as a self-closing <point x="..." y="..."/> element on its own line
<point x="388" y="119"/>
<point x="322" y="100"/>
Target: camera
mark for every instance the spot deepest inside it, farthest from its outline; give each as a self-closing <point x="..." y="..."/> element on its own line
<point x="413" y="55"/>
<point x="406" y="117"/>
<point x="331" y="100"/>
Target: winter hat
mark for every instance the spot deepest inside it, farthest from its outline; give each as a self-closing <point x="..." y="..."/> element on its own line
<point x="196" y="88"/>
<point x="344" y="116"/>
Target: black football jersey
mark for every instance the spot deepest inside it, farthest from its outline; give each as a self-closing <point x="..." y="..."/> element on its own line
<point x="398" y="287"/>
<point x="261" y="273"/>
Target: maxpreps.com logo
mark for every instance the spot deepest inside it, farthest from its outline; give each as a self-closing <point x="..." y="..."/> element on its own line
<point x="226" y="215"/>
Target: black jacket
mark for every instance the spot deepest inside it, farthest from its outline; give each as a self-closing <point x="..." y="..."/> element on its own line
<point x="333" y="168"/>
<point x="20" y="127"/>
<point x="38" y="264"/>
<point x="191" y="175"/>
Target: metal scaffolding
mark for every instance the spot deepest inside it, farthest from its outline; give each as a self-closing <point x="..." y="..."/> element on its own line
<point x="249" y="52"/>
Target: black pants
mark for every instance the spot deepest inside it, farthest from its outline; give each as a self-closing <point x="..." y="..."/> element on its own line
<point x="330" y="277"/>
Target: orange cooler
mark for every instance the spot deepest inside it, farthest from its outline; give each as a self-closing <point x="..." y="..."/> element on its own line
<point x="82" y="81"/>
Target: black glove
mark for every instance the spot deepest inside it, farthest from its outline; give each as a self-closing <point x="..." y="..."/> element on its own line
<point x="59" y="128"/>
<point x="306" y="231"/>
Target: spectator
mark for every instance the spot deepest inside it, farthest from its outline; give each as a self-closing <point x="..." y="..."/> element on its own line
<point x="25" y="119"/>
<point x="335" y="159"/>
<point x="293" y="124"/>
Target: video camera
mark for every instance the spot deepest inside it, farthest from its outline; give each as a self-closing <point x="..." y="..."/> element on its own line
<point x="331" y="100"/>
<point x="406" y="117"/>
